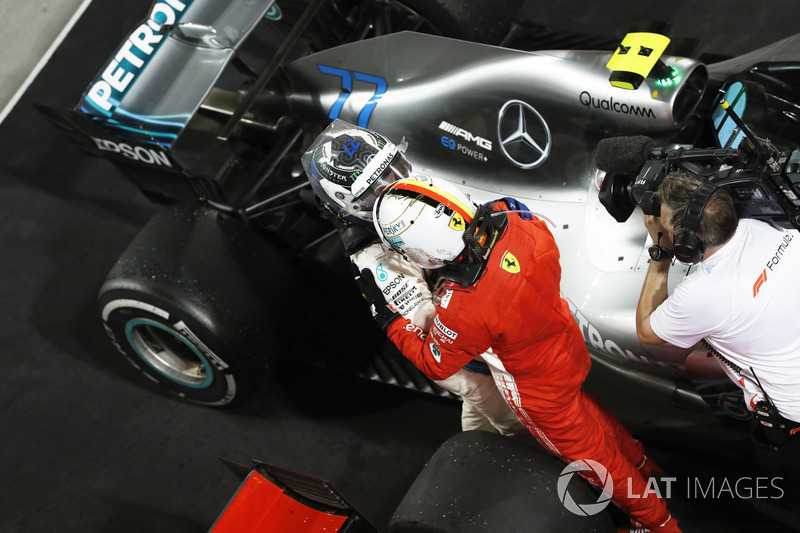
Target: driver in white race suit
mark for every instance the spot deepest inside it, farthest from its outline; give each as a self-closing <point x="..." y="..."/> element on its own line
<point x="348" y="168"/>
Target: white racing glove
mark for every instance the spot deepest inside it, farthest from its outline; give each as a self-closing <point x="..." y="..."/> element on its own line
<point x="401" y="282"/>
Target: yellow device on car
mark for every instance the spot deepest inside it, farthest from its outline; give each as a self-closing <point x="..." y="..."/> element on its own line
<point x="639" y="54"/>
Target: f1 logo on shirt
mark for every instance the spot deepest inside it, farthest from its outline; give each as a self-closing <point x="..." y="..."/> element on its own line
<point x="762" y="279"/>
<point x="783" y="248"/>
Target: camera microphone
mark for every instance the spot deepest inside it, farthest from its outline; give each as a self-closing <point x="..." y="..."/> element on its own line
<point x="622" y="159"/>
<point x="623" y="155"/>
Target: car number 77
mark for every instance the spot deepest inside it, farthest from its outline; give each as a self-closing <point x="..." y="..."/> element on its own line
<point x="347" y="88"/>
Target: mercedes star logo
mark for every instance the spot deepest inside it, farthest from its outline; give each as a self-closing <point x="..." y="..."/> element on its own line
<point x="523" y="133"/>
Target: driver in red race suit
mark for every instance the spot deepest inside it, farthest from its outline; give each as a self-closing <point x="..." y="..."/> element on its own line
<point x="347" y="167"/>
<point x="499" y="288"/>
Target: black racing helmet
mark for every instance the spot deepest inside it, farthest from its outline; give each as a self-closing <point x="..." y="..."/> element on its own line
<point x="349" y="166"/>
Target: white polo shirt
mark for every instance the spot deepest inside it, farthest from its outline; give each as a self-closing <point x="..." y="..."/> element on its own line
<point x="745" y="301"/>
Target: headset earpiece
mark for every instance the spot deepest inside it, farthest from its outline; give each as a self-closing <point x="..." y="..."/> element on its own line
<point x="687" y="246"/>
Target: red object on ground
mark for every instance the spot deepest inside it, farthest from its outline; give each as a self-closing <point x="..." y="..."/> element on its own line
<point x="259" y="505"/>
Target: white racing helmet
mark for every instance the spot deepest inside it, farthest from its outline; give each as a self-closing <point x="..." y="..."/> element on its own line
<point x="349" y="166"/>
<point x="437" y="226"/>
<point x="425" y="220"/>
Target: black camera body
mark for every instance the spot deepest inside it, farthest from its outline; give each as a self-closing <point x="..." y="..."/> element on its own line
<point x="764" y="182"/>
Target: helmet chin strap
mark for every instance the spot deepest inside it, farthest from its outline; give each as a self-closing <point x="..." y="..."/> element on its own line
<point x="480" y="237"/>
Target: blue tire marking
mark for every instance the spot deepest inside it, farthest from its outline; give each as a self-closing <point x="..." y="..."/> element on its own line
<point x="145" y="322"/>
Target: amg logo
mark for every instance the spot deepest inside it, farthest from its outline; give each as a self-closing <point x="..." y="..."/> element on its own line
<point x="464" y="134"/>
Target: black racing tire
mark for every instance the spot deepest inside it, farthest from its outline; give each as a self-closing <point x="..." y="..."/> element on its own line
<point x="479" y="481"/>
<point x="202" y="304"/>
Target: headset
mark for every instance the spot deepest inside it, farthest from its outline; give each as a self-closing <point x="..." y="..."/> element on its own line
<point x="687" y="246"/>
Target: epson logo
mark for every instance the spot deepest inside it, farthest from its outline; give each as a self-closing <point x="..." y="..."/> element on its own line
<point x="151" y="156"/>
<point x="394" y="283"/>
<point x="131" y="56"/>
<point x="466" y="135"/>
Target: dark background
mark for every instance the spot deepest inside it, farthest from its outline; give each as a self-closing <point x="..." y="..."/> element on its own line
<point x="88" y="445"/>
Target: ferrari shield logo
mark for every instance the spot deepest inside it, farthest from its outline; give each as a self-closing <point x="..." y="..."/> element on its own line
<point x="509" y="263"/>
<point x="457" y="222"/>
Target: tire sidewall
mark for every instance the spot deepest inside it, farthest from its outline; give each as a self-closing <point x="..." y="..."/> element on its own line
<point x="230" y="378"/>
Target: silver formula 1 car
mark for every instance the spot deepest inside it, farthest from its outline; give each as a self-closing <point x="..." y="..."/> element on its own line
<point x="207" y="107"/>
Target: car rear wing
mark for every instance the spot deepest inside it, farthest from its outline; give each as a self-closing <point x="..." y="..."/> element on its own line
<point x="159" y="106"/>
<point x="165" y="68"/>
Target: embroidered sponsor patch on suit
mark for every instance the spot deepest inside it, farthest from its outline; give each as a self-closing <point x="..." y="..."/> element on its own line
<point x="437" y="353"/>
<point x="509" y="263"/>
<point x="446" y="299"/>
<point x="441" y="333"/>
<point x="418" y="331"/>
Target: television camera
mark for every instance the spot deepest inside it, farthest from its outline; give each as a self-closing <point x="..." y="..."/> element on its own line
<point x="763" y="180"/>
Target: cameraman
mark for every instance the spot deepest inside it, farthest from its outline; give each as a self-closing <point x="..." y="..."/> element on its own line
<point x="743" y="300"/>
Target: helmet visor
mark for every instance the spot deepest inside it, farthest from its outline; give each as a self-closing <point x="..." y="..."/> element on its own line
<point x="349" y="167"/>
<point x="384" y="169"/>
